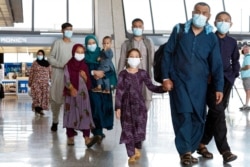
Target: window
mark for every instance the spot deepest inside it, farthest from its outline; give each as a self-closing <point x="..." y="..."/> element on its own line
<point x="49" y="15"/>
<point x="137" y="9"/>
<point x="81" y="15"/>
<point x="240" y="13"/>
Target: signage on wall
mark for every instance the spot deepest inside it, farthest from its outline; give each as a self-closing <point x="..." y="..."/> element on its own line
<point x="33" y="40"/>
<point x="13" y="40"/>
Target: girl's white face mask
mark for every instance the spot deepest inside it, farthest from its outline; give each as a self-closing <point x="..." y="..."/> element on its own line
<point x="134" y="62"/>
<point x="79" y="57"/>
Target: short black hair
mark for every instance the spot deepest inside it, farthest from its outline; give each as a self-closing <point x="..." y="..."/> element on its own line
<point x="65" y="25"/>
<point x="223" y="12"/>
<point x="202" y="4"/>
<point x="136" y="20"/>
<point x="107" y="37"/>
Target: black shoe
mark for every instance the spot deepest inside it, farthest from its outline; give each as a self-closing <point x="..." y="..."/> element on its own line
<point x="54" y="127"/>
<point x="39" y="111"/>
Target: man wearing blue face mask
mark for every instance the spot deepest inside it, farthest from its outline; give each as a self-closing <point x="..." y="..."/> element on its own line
<point x="59" y="55"/>
<point x="216" y="122"/>
<point x="146" y="47"/>
<point x="186" y="66"/>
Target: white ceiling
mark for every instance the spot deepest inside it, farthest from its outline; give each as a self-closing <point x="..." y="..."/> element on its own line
<point x="11" y="11"/>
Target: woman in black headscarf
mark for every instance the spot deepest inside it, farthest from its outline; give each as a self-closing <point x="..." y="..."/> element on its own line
<point x="40" y="74"/>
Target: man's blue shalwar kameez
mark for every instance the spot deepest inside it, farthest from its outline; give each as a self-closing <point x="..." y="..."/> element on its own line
<point x="196" y="57"/>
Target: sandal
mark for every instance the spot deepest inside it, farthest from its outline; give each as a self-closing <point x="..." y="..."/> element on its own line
<point x="137" y="153"/>
<point x="186" y="159"/>
<point x="204" y="152"/>
<point x="91" y="141"/>
<point x="194" y="160"/>
<point x="228" y="157"/>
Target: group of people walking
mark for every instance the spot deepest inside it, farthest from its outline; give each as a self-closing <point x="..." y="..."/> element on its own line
<point x="199" y="70"/>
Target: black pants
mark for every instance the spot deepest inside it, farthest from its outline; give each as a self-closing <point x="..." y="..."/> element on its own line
<point x="215" y="125"/>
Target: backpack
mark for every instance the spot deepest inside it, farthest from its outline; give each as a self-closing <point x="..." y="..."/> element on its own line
<point x="1" y="91"/>
<point x="160" y="53"/>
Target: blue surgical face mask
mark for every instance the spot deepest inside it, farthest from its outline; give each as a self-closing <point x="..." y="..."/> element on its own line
<point x="199" y="20"/>
<point x="137" y="31"/>
<point x="39" y="57"/>
<point x="223" y="27"/>
<point x="68" y="33"/>
<point x="92" y="47"/>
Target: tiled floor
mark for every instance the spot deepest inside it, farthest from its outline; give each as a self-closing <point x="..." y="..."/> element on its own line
<point x="26" y="140"/>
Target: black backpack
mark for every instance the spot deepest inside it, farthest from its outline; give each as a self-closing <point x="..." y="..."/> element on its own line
<point x="160" y="53"/>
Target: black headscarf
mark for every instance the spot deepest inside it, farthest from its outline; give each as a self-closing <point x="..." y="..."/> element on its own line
<point x="42" y="62"/>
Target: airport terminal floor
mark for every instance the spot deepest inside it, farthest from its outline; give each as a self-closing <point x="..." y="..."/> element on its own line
<point x="26" y="139"/>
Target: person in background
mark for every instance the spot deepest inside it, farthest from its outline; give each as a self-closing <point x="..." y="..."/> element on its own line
<point x="130" y="106"/>
<point x="215" y="125"/>
<point x="77" y="109"/>
<point x="245" y="75"/>
<point x="147" y="49"/>
<point x="59" y="56"/>
<point x="101" y="103"/>
<point x="185" y="76"/>
<point x="106" y="65"/>
<point x="2" y="94"/>
<point x="39" y="77"/>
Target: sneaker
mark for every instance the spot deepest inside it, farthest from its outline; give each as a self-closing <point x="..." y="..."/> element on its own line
<point x="245" y="107"/>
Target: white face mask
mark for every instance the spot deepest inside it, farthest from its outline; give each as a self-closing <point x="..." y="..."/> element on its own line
<point x="134" y="62"/>
<point x="79" y="57"/>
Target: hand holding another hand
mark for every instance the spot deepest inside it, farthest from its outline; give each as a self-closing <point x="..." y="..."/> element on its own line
<point x="167" y="85"/>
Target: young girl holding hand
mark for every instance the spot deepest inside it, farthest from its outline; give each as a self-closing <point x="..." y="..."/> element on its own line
<point x="130" y="105"/>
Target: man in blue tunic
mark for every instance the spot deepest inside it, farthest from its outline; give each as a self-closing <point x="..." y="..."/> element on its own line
<point x="186" y="70"/>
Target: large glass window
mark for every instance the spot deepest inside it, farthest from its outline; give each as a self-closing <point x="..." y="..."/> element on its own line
<point x="81" y="15"/>
<point x="240" y="13"/>
<point x="138" y="9"/>
<point x="49" y="15"/>
<point x="166" y="16"/>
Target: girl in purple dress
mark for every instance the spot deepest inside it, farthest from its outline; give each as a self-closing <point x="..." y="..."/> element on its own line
<point x="77" y="110"/>
<point x="130" y="105"/>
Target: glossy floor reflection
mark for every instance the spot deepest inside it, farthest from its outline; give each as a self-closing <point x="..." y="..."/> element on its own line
<point x="26" y="140"/>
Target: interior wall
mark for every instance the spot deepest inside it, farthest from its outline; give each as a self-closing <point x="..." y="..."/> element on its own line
<point x="109" y="21"/>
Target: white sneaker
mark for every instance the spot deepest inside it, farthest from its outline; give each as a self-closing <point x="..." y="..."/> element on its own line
<point x="245" y="107"/>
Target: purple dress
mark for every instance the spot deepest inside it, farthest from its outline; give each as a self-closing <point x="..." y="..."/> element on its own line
<point x="130" y="100"/>
<point x="77" y="110"/>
